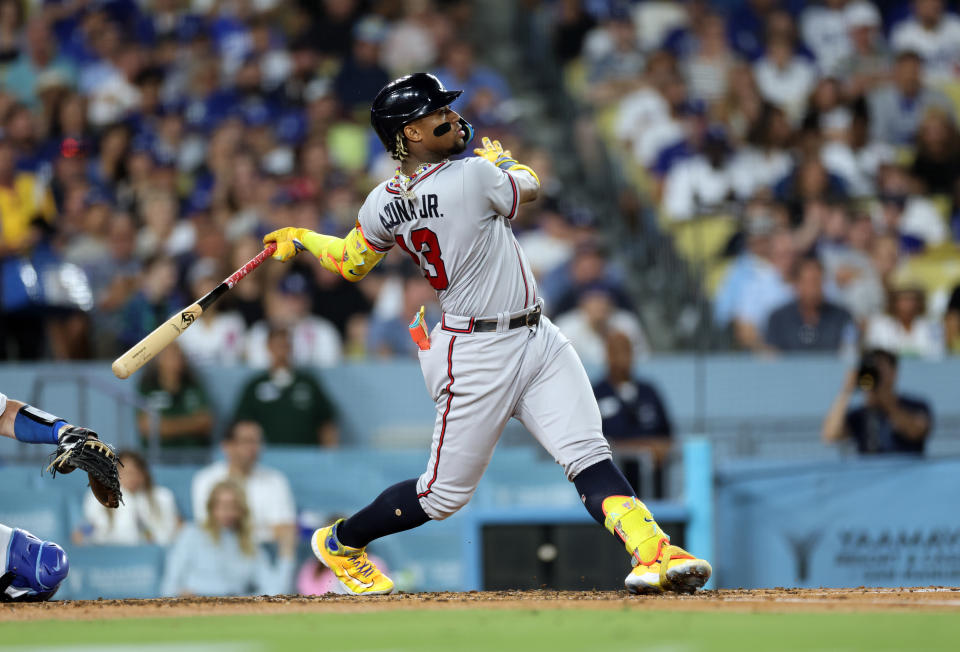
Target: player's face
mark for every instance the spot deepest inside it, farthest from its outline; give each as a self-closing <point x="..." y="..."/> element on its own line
<point x="452" y="140"/>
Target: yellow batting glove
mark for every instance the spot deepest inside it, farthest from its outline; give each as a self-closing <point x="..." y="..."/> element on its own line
<point x="494" y="152"/>
<point x="289" y="242"/>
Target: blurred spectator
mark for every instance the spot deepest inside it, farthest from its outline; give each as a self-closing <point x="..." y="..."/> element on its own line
<point x="904" y="212"/>
<point x="809" y="322"/>
<point x="747" y="25"/>
<point x="361" y="77"/>
<point x="613" y="57"/>
<point x="867" y="62"/>
<point x="113" y="279"/>
<point x="595" y="316"/>
<point x="171" y="388"/>
<point x="286" y="401"/>
<point x="708" y="67"/>
<point x="314" y="578"/>
<point x="11" y="21"/>
<point x="904" y="329"/>
<point x="934" y="35"/>
<point x="765" y="159"/>
<point x="38" y="59"/>
<point x="588" y="267"/>
<point x="572" y="25"/>
<point x="23" y="197"/>
<point x="154" y="301"/>
<point x="389" y="336"/>
<point x="315" y="340"/>
<point x="937" y="163"/>
<point x="824" y="30"/>
<point x="484" y="90"/>
<point x="148" y="513"/>
<point x="702" y="183"/>
<point x="887" y="422"/>
<point x="218" y="337"/>
<point x="764" y="289"/>
<point x="783" y="76"/>
<point x="272" y="511"/>
<point x="896" y="108"/>
<point x="219" y="555"/>
<point x="634" y="417"/>
<point x="852" y="279"/>
<point x="415" y="40"/>
<point x="951" y="322"/>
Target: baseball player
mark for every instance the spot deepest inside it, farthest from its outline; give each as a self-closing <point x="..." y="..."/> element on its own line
<point x="492" y="356"/>
<point x="32" y="570"/>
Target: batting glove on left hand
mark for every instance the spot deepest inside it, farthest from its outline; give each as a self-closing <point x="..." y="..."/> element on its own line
<point x="496" y="154"/>
<point x="289" y="242"/>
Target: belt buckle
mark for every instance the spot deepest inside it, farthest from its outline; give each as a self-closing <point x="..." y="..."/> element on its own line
<point x="532" y="318"/>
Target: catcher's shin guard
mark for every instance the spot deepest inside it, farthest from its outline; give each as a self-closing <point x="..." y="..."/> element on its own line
<point x="34" y="570"/>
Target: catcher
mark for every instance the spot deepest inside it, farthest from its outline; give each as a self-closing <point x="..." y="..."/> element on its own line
<point x="32" y="570"/>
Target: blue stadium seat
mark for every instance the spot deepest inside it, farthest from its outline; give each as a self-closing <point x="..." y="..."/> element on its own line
<point x="113" y="572"/>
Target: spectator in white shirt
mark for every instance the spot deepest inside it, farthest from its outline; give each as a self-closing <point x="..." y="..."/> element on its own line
<point x="824" y="31"/>
<point x="272" y="510"/>
<point x="316" y="342"/>
<point x="701" y="183"/>
<point x="219" y="337"/>
<point x="148" y="513"/>
<point x="595" y="316"/>
<point x="935" y="36"/>
<point x="904" y="329"/>
<point x="784" y="77"/>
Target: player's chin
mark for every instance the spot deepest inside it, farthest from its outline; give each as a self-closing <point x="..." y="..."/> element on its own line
<point x="459" y="146"/>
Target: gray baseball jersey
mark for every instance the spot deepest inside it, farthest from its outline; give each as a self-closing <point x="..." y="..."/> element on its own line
<point x="457" y="230"/>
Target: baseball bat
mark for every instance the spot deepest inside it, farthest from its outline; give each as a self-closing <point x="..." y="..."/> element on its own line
<point x="143" y="351"/>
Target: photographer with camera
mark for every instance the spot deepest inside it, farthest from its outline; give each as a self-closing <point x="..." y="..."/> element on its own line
<point x="886" y="422"/>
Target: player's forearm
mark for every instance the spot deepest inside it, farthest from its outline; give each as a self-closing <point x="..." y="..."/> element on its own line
<point x="350" y="257"/>
<point x="8" y="417"/>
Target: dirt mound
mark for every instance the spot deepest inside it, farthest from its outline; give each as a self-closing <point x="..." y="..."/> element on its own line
<point x="767" y="600"/>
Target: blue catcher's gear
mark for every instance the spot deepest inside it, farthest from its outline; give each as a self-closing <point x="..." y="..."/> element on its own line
<point x="35" y="569"/>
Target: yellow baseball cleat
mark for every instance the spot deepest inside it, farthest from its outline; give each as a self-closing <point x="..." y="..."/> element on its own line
<point x="357" y="574"/>
<point x="658" y="565"/>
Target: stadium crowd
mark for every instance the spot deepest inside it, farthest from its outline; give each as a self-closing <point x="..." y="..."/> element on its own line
<point x="825" y="133"/>
<point x="147" y="146"/>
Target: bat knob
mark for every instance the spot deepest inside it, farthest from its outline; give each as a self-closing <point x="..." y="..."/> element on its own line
<point x="120" y="369"/>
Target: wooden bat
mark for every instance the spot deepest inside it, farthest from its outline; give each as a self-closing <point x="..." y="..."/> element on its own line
<point x="143" y="351"/>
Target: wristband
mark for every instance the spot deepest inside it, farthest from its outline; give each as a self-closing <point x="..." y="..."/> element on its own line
<point x="35" y="426"/>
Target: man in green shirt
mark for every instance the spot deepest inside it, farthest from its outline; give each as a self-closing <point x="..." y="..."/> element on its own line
<point x="288" y="403"/>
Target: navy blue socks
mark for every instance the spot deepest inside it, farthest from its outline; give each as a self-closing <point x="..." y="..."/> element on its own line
<point x="397" y="509"/>
<point x="595" y="483"/>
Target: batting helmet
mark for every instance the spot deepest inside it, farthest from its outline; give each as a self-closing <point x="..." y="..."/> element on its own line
<point x="404" y="100"/>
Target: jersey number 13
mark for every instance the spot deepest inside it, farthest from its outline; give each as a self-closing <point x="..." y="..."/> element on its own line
<point x="426" y="254"/>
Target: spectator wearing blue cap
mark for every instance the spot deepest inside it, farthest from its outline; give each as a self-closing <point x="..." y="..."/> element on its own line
<point x="315" y="341"/>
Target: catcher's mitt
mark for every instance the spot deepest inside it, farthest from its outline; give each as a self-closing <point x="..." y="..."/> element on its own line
<point x="79" y="448"/>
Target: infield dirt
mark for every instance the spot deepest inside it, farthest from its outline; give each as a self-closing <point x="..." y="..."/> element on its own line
<point x="928" y="599"/>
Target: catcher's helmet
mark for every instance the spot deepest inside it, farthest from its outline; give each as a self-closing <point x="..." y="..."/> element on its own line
<point x="404" y="100"/>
